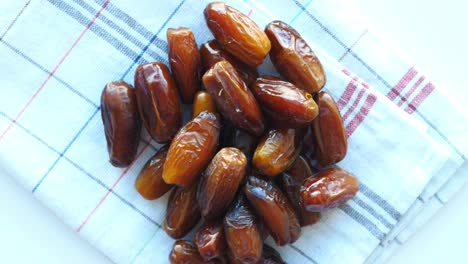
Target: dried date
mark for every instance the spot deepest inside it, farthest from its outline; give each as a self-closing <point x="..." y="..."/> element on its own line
<point x="202" y="102"/>
<point x="149" y="182"/>
<point x="184" y="58"/>
<point x="232" y="98"/>
<point x="158" y="101"/>
<point x="293" y="57"/>
<point x="210" y="241"/>
<point x="329" y="188"/>
<point x="237" y="33"/>
<point x="121" y="121"/>
<point x="274" y="209"/>
<point x="220" y="182"/>
<point x="191" y="150"/>
<point x="284" y="103"/>
<point x="185" y="252"/>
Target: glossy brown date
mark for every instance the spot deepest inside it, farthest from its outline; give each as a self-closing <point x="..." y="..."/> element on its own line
<point x="191" y="150"/>
<point x="284" y="103"/>
<point x="293" y="57"/>
<point x="202" y="102"/>
<point x="211" y="53"/>
<point x="121" y="121"/>
<point x="270" y="256"/>
<point x="242" y="231"/>
<point x="185" y="252"/>
<point x="328" y="132"/>
<point x="220" y="182"/>
<point x="210" y="241"/>
<point x="290" y="182"/>
<point x="232" y="98"/>
<point x="244" y="141"/>
<point x="149" y="182"/>
<point x="276" y="151"/>
<point x="158" y="101"/>
<point x="329" y="188"/>
<point x="182" y="212"/>
<point x="274" y="209"/>
<point x="237" y="33"/>
<point x="185" y="61"/>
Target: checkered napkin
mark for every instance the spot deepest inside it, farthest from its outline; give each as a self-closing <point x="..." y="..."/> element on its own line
<point x="56" y="56"/>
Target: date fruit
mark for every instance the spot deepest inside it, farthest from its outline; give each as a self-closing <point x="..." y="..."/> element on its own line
<point x="203" y="102"/>
<point x="237" y="33"/>
<point x="328" y="189"/>
<point x="191" y="150"/>
<point x="185" y="61"/>
<point x="185" y="252"/>
<point x="210" y="241"/>
<point x="232" y="98"/>
<point x="244" y="141"/>
<point x="211" y="53"/>
<point x="149" y="182"/>
<point x="290" y="182"/>
<point x="242" y="231"/>
<point x="284" y="103"/>
<point x="274" y="209"/>
<point x="276" y="151"/>
<point x="328" y="132"/>
<point x="121" y="121"/>
<point x="293" y="57"/>
<point x="158" y="101"/>
<point x="220" y="182"/>
<point x="182" y="212"/>
<point x="270" y="256"/>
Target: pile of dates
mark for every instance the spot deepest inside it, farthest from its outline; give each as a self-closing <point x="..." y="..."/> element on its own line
<point x="240" y="164"/>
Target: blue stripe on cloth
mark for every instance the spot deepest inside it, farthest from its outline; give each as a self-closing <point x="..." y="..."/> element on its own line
<point x="118" y="29"/>
<point x="10" y="26"/>
<point x="98" y="181"/>
<point x="380" y="201"/>
<point x="298" y="250"/>
<point x="132" y="23"/>
<point x="65" y="150"/>
<point x="153" y="38"/>
<point x="42" y="68"/>
<point x="372" y="211"/>
<point x="373" y="72"/>
<point x="366" y="223"/>
<point x="299" y="13"/>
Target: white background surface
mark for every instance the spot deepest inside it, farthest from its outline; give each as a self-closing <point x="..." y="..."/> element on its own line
<point x="431" y="33"/>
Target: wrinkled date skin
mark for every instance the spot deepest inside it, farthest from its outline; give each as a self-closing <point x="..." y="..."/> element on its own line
<point x="242" y="231"/>
<point x="202" y="102"/>
<point x="276" y="151"/>
<point x="220" y="182"/>
<point x="293" y="58"/>
<point x="121" y="121"/>
<point x="290" y="182"/>
<point x="270" y="256"/>
<point x="328" y="132"/>
<point x="328" y="189"/>
<point x="274" y="208"/>
<point x="232" y="97"/>
<point x="191" y="150"/>
<point x="158" y="101"/>
<point x="284" y="103"/>
<point x="210" y="241"/>
<point x="182" y="212"/>
<point x="237" y="33"/>
<point x="185" y="61"/>
<point x="185" y="252"/>
<point x="149" y="182"/>
<point x="211" y="53"/>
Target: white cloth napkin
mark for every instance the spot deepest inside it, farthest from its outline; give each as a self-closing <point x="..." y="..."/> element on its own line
<point x="57" y="55"/>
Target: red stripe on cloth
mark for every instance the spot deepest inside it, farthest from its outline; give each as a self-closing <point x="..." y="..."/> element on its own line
<point x="354" y="105"/>
<point x="250" y="12"/>
<point x="347" y="71"/>
<point x="422" y="95"/>
<point x="402" y="83"/>
<point x="348" y="93"/>
<point x="361" y="115"/>
<point x="64" y="57"/>
<point x="111" y="188"/>
<point x="411" y="91"/>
